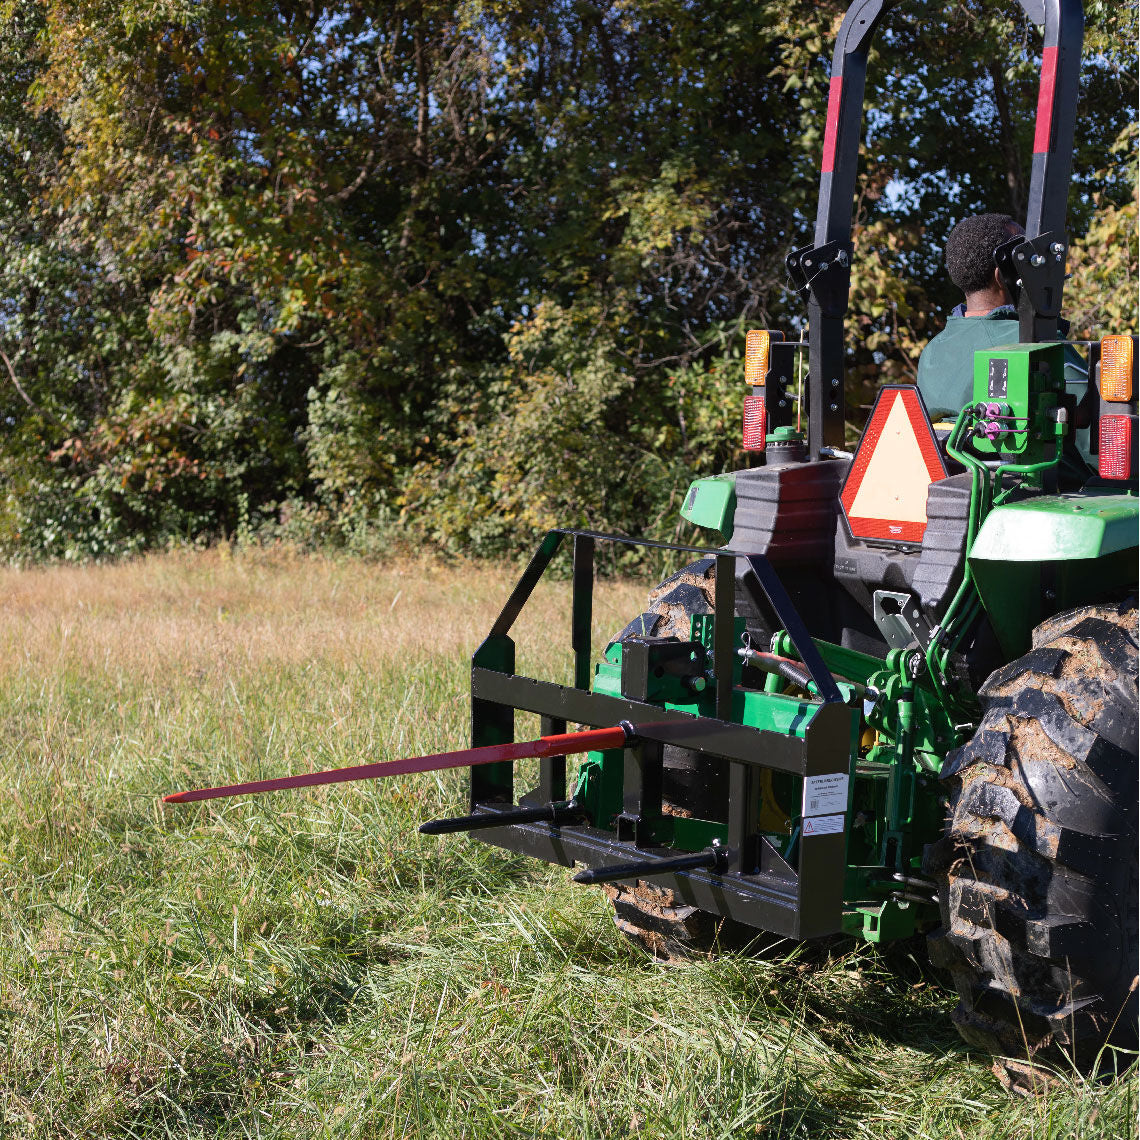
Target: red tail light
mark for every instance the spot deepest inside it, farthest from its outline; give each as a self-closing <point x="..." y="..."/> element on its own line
<point x="755" y="423"/>
<point x="1115" y="457"/>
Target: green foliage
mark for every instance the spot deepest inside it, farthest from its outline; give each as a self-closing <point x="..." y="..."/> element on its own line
<point x="1101" y="291"/>
<point x="479" y="265"/>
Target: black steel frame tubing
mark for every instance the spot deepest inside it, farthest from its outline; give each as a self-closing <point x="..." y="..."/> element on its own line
<point x="1056" y="116"/>
<point x="1052" y="162"/>
<point x="796" y="629"/>
<point x="838" y="171"/>
<point x="1048" y="188"/>
<point x="756" y="888"/>
<point x="770" y="900"/>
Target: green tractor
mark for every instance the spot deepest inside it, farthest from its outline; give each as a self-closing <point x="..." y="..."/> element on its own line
<point x="900" y="694"/>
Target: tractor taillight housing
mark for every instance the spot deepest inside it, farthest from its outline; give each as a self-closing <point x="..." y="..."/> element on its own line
<point x="1116" y="451"/>
<point x="1117" y="365"/>
<point x="755" y="423"/>
<point x="757" y="349"/>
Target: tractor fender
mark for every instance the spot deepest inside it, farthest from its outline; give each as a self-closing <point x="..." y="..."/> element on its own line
<point x="1058" y="528"/>
<point x="711" y="503"/>
<point x="1039" y="556"/>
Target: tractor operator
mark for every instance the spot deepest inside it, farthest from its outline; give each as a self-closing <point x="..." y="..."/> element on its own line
<point x="987" y="319"/>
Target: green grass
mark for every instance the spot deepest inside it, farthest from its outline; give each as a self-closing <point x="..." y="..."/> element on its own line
<point x="308" y="965"/>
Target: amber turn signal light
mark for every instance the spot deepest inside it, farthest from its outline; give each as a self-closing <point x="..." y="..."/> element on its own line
<point x="757" y="345"/>
<point x="1117" y="369"/>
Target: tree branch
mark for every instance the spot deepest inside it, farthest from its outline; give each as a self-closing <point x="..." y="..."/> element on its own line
<point x="19" y="388"/>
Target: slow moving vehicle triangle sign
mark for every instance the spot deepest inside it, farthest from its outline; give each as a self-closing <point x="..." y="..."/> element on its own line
<point x="884" y="495"/>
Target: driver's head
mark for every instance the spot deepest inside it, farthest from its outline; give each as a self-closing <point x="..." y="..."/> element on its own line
<point x="970" y="249"/>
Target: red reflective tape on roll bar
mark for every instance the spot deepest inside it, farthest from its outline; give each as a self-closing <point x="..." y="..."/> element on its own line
<point x="831" y="130"/>
<point x="564" y="744"/>
<point x="1045" y="101"/>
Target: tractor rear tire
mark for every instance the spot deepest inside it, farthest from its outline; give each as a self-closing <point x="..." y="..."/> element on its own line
<point x="649" y="916"/>
<point x="1037" y="871"/>
<point x="688" y="789"/>
<point x="669" y="930"/>
<point x="691" y="590"/>
<point x="673" y="602"/>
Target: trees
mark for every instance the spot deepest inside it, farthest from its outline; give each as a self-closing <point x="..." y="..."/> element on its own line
<point x="480" y="264"/>
<point x="279" y="224"/>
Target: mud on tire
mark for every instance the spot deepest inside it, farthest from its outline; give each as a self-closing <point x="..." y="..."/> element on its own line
<point x="673" y="602"/>
<point x="691" y="590"/>
<point x="1037" y="871"/>
<point x="653" y="919"/>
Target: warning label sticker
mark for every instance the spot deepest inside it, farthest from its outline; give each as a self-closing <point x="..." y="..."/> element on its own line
<point x="825" y="794"/>
<point x="823" y="824"/>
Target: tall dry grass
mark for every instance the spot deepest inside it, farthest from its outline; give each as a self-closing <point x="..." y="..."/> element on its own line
<point x="218" y="613"/>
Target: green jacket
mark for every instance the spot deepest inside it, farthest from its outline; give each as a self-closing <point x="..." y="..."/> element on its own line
<point x="946" y="366"/>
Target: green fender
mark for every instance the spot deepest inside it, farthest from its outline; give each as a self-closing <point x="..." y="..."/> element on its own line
<point x="1043" y="555"/>
<point x="711" y="503"/>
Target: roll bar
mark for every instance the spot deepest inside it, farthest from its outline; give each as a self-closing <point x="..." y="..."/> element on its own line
<point x="1033" y="265"/>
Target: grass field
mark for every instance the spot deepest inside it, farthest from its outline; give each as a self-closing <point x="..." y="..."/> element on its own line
<point x="308" y="965"/>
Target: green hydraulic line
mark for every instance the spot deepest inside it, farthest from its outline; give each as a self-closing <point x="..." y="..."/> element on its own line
<point x="1029" y="468"/>
<point x="979" y="502"/>
<point x="984" y="495"/>
<point x="959" y="707"/>
<point x="979" y="475"/>
<point x="967" y="621"/>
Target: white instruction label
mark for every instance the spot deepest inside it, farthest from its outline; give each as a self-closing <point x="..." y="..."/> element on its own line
<point x="825" y="794"/>
<point x="823" y="824"/>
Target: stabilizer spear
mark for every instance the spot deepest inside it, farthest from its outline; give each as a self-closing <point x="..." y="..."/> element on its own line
<point x="562" y="744"/>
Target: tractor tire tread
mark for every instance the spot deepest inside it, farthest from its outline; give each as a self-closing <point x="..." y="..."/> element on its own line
<point x="1037" y="869"/>
<point x="650" y="918"/>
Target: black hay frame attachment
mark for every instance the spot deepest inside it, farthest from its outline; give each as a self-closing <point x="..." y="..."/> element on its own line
<point x="745" y="878"/>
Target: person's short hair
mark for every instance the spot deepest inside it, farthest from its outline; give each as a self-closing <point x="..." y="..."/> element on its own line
<point x="970" y="249"/>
